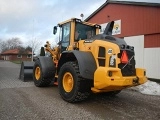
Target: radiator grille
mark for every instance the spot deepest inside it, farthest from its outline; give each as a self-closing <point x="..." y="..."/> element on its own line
<point x="128" y="69"/>
<point x="101" y="56"/>
<point x="101" y="52"/>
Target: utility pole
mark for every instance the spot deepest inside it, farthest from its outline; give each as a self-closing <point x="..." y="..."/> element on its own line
<point x="32" y="39"/>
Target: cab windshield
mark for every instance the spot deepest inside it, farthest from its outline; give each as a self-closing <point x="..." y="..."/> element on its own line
<point x="84" y="31"/>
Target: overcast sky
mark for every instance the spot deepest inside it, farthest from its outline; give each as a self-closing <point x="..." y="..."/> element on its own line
<point x="28" y="19"/>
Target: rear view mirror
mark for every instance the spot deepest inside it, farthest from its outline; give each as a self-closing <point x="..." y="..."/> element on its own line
<point x="54" y="30"/>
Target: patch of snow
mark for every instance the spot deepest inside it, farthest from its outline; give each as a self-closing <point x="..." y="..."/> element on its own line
<point x="149" y="88"/>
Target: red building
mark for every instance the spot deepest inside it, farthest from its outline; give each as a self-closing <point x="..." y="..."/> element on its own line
<point x="139" y="24"/>
<point x="15" y="55"/>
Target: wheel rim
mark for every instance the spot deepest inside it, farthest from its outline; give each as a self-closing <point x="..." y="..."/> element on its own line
<point x="37" y="73"/>
<point x="68" y="82"/>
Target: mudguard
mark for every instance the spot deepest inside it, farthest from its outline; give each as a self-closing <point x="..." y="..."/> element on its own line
<point x="86" y="62"/>
<point x="48" y="67"/>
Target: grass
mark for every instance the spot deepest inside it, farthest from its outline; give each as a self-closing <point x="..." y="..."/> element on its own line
<point x="16" y="62"/>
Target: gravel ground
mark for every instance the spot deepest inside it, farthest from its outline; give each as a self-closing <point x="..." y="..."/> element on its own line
<point x="23" y="101"/>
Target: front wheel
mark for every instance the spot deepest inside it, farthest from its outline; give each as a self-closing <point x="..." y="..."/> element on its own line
<point x="72" y="87"/>
<point x="38" y="76"/>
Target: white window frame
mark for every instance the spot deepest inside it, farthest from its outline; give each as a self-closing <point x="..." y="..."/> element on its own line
<point x="19" y="56"/>
<point x="29" y="55"/>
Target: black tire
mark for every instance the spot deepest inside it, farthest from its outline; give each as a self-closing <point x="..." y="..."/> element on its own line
<point x="40" y="81"/>
<point x="80" y="89"/>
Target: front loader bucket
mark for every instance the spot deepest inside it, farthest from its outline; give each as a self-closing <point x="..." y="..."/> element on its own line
<point x="26" y="71"/>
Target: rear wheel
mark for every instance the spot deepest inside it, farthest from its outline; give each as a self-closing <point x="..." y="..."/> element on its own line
<point x="38" y="77"/>
<point x="72" y="87"/>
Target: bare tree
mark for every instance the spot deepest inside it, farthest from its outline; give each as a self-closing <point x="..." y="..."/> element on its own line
<point x="28" y="48"/>
<point x="0" y="45"/>
<point x="10" y="44"/>
<point x="22" y="50"/>
<point x="14" y="43"/>
<point x="3" y="46"/>
<point x="35" y="46"/>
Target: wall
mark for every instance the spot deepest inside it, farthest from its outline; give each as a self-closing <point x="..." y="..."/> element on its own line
<point x="14" y="57"/>
<point x="24" y="58"/>
<point x="6" y="57"/>
<point x="146" y="57"/>
<point x="140" y="27"/>
<point x="138" y="43"/>
<point x="152" y="40"/>
<point x="152" y="55"/>
<point x="152" y="62"/>
<point x="135" y="20"/>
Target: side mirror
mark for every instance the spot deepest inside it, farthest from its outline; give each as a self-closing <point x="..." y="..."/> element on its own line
<point x="54" y="30"/>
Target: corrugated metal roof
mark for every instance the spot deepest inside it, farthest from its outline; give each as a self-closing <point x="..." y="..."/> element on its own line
<point x="122" y="2"/>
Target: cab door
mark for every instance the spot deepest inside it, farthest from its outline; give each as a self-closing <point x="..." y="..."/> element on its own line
<point x="66" y="33"/>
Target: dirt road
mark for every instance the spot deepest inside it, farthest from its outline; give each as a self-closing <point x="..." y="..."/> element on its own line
<point x="23" y="101"/>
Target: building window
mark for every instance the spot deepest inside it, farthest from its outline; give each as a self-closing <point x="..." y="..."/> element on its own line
<point x="19" y="56"/>
<point x="28" y="56"/>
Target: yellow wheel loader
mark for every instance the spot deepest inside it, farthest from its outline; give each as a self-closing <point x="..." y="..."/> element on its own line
<point x="85" y="61"/>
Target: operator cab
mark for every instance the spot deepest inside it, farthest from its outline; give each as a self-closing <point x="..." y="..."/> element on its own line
<point x="73" y="30"/>
<point x="83" y="31"/>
